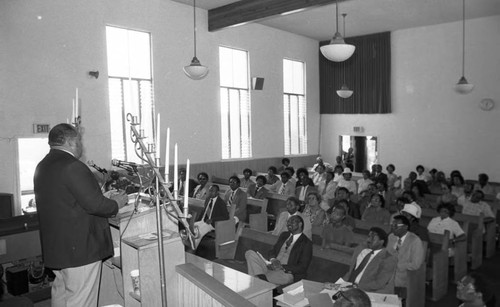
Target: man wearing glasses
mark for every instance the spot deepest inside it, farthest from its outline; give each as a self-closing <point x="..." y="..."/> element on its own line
<point x="408" y="248"/>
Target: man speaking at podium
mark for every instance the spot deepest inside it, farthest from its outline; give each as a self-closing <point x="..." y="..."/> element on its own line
<point x="72" y="212"/>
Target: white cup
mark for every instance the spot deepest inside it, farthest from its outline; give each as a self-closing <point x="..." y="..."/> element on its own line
<point x="134" y="274"/>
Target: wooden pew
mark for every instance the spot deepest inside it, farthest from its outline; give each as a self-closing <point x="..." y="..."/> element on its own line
<point x="438" y="264"/>
<point x="257" y="213"/>
<point x="491" y="228"/>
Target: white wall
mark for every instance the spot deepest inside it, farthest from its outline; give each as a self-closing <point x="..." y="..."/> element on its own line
<point x="431" y="124"/>
<point x="42" y="61"/>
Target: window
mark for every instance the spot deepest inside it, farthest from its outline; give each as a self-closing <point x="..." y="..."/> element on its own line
<point x="235" y="104"/>
<point x="294" y="107"/>
<point x="30" y="152"/>
<point x="130" y="88"/>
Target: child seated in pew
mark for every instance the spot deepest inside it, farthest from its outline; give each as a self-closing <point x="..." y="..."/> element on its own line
<point x="348" y="220"/>
<point x="375" y="212"/>
<point x="444" y="222"/>
<point x="336" y="231"/>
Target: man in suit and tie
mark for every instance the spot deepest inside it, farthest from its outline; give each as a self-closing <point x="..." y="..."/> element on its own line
<point x="408" y="248"/>
<point x="372" y="267"/>
<point x="304" y="189"/>
<point x="284" y="186"/>
<point x="215" y="210"/>
<point x="289" y="258"/>
<point x="260" y="191"/>
<point x="236" y="200"/>
<point x="292" y="207"/>
<point x="73" y="215"/>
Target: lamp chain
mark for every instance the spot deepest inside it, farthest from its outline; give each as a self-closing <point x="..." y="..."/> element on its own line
<point x="463" y="38"/>
<point x="194" y="28"/>
<point x="337" y="15"/>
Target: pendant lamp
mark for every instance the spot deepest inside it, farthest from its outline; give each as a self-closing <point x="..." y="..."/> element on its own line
<point x="462" y="86"/>
<point x="195" y="70"/>
<point x="344" y="91"/>
<point x="337" y="50"/>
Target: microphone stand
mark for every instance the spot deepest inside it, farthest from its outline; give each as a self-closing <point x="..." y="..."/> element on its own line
<point x="147" y="154"/>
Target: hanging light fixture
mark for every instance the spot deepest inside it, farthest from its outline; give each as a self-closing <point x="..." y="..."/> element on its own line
<point x="337" y="50"/>
<point x="195" y="70"/>
<point x="462" y="86"/>
<point x="344" y="91"/>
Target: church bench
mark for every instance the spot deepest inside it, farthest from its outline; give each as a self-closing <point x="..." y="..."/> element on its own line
<point x="437" y="269"/>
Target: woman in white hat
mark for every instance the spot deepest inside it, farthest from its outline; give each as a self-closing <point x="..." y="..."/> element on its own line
<point x="413" y="212"/>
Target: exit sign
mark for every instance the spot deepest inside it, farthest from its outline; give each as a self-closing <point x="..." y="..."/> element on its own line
<point x="41" y="128"/>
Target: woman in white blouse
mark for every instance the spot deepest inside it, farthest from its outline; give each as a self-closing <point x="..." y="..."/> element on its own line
<point x="445" y="222"/>
<point x="201" y="190"/>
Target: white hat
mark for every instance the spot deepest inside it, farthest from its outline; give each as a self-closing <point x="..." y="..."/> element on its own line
<point x="413" y="209"/>
<point x="347" y="171"/>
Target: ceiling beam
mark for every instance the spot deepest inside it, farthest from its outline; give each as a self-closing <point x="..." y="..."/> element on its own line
<point x="246" y="11"/>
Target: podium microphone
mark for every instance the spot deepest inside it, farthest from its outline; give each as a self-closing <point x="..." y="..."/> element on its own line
<point x="99" y="169"/>
<point x="119" y="163"/>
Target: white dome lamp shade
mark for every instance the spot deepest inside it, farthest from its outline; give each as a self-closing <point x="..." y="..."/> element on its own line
<point x="337" y="50"/>
<point x="195" y="70"/>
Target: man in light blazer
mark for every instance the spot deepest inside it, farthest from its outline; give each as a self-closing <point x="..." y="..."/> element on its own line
<point x="409" y="249"/>
<point x="377" y="273"/>
<point x="284" y="186"/>
<point x="292" y="207"/>
<point x="236" y="200"/>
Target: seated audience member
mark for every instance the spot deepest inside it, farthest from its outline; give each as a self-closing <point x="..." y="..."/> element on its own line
<point x="400" y="204"/>
<point x="292" y="209"/>
<point x="290" y="256"/>
<point x="389" y="196"/>
<point x="432" y="174"/>
<point x="347" y="183"/>
<point x="352" y="208"/>
<point x="246" y="182"/>
<point x="446" y="197"/>
<point x="372" y="267"/>
<point x="302" y="174"/>
<point x="474" y="291"/>
<point x="351" y="298"/>
<point x="457" y="186"/>
<point x="375" y="212"/>
<point x="419" y="188"/>
<point x="284" y="186"/>
<point x="313" y="211"/>
<point x="201" y="190"/>
<point x="182" y="183"/>
<point x="393" y="180"/>
<point x="453" y="174"/>
<point x="476" y="206"/>
<point x="285" y="162"/>
<point x="484" y="185"/>
<point x="236" y="200"/>
<point x="378" y="175"/>
<point x="468" y="189"/>
<point x="271" y="176"/>
<point x="337" y="171"/>
<point x="302" y="191"/>
<point x="319" y="161"/>
<point x="260" y="191"/>
<point x="327" y="190"/>
<point x="421" y="176"/>
<point x="366" y="196"/>
<point x="338" y="161"/>
<point x="413" y="212"/>
<point x="398" y="192"/>
<point x="319" y="175"/>
<point x="435" y="184"/>
<point x="349" y="158"/>
<point x="409" y="250"/>
<point x="336" y="231"/>
<point x="364" y="182"/>
<point x="413" y="176"/>
<point x="291" y="171"/>
<point x="444" y="222"/>
<point x="215" y="210"/>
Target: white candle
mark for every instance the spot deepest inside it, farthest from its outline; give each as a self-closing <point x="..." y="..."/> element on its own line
<point x="157" y="145"/>
<point x="77" y="110"/>
<point x="73" y="110"/>
<point x="167" y="155"/>
<point x="186" y="189"/>
<point x="176" y="175"/>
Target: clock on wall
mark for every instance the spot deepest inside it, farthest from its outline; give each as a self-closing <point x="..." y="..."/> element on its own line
<point x="487" y="104"/>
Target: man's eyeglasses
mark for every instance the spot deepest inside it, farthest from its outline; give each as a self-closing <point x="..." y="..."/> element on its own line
<point x="340" y="294"/>
<point x="397" y="225"/>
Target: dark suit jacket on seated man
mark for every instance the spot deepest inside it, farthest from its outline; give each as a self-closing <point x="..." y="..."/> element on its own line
<point x="215" y="210"/>
<point x="236" y="200"/>
<point x="376" y="272"/>
<point x="73" y="212"/>
<point x="290" y="256"/>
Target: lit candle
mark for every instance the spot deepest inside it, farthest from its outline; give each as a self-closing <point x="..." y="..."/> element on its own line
<point x="157" y="145"/>
<point x="167" y="155"/>
<point x="186" y="189"/>
<point x="176" y="175"/>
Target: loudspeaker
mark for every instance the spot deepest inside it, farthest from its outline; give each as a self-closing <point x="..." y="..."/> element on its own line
<point x="17" y="280"/>
<point x="6" y="205"/>
<point x="257" y="83"/>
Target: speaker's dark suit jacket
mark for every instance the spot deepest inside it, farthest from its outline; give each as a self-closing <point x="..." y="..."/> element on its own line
<point x="379" y="273"/>
<point x="219" y="211"/>
<point x="300" y="256"/>
<point x="72" y="212"/>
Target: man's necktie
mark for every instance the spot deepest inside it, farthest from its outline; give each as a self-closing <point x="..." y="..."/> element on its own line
<point x="232" y="197"/>
<point x="208" y="213"/>
<point x="398" y="245"/>
<point x="289" y="242"/>
<point x="360" y="267"/>
<point x="282" y="189"/>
